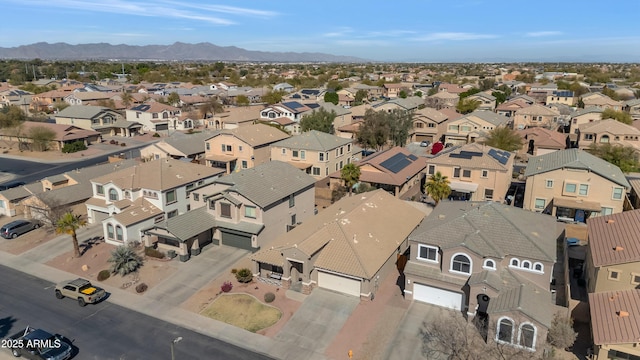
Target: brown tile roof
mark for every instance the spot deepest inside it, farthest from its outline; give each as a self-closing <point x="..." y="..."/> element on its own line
<point x="451" y="114"/>
<point x="609" y="125"/>
<point x="240" y="114"/>
<point x="513" y="105"/>
<point x="544" y="137"/>
<point x="281" y="121"/>
<point x="482" y="161"/>
<point x="140" y="210"/>
<point x="537" y="109"/>
<point x="615" y="317"/>
<point x="257" y="134"/>
<point x="613" y="239"/>
<point x="62" y="132"/>
<point x="430" y="113"/>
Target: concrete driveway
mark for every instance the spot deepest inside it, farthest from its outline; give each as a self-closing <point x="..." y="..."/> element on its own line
<point x="316" y="323"/>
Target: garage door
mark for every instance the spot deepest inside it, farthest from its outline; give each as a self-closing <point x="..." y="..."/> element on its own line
<point x="436" y="296"/>
<point x="98" y="216"/>
<point x="339" y="283"/>
<point x="237" y="240"/>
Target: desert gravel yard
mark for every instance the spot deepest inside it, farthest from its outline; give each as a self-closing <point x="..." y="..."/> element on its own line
<point x="243" y="311"/>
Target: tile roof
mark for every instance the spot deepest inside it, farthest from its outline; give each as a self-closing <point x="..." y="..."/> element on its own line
<point x="586" y="110"/>
<point x="609" y="125"/>
<point x="313" y="140"/>
<point x="615" y="316"/>
<point x="21" y="192"/>
<point x="526" y="298"/>
<point x="537" y="109"/>
<point x="613" y="239"/>
<point x="430" y="113"/>
<point x="481" y="159"/>
<point x="138" y="211"/>
<point x="189" y="224"/>
<point x="544" y="137"/>
<point x="154" y="107"/>
<point x="82" y="111"/>
<point x="62" y="132"/>
<point x="189" y="144"/>
<point x="488" y="116"/>
<point x="575" y="159"/>
<point x="256" y="134"/>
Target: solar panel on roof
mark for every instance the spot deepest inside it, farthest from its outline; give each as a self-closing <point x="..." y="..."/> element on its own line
<point x="413" y="157"/>
<point x="501" y="156"/>
<point x="396" y="163"/>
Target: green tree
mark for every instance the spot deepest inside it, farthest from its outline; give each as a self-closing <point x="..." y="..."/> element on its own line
<point x="610" y="93"/>
<point x="466" y="106"/>
<point x="437" y="186"/>
<point x="320" y="119"/>
<point x="331" y="97"/>
<point x="402" y="94"/>
<point x="127" y="99"/>
<point x="68" y="224"/>
<point x="486" y="84"/>
<point x="418" y="93"/>
<point x="580" y="104"/>
<point x="173" y="99"/>
<point x="500" y="97"/>
<point x="374" y="131"/>
<point x="624" y="157"/>
<point x="41" y="137"/>
<point x="469" y="92"/>
<point x="11" y="116"/>
<point x="432" y="91"/>
<point x="504" y="138"/>
<point x="361" y="95"/>
<point x="242" y="100"/>
<point x="505" y="89"/>
<point x="350" y="174"/>
<point x="125" y="260"/>
<point x="400" y="124"/>
<point x="273" y="97"/>
<point x="622" y="116"/>
<point x="212" y="106"/>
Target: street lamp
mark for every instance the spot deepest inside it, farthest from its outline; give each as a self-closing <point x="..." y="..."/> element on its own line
<point x="173" y="342"/>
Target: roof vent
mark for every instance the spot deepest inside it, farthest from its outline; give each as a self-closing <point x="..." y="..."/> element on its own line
<point x="618" y="248"/>
<point x="622" y="313"/>
<point x="441" y="216"/>
<point x="610" y="221"/>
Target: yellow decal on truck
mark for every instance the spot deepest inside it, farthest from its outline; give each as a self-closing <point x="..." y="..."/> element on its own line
<point x="88" y="291"/>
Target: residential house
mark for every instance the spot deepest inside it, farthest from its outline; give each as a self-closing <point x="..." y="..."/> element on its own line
<point x="476" y="172"/>
<point x="178" y="146"/>
<point x="633" y="108"/>
<point x="539" y="141"/>
<point x="234" y="117"/>
<point x="63" y="134"/>
<point x="411" y="103"/>
<point x="17" y="97"/>
<point x="472" y="126"/>
<point x="451" y="88"/>
<point x="536" y="115"/>
<point x="247" y="210"/>
<point x="98" y="118"/>
<point x="561" y="97"/>
<point x="442" y="100"/>
<point x="11" y="199"/>
<point x="607" y="131"/>
<point x="497" y="265"/>
<point x="573" y="185"/>
<point x="614" y="324"/>
<point x="350" y="247"/>
<point x="47" y="100"/>
<point x="314" y="152"/>
<point x="287" y="114"/>
<point x="373" y="92"/>
<point x="131" y="200"/>
<point x="395" y="170"/>
<point x="241" y="148"/>
<point x="87" y="97"/>
<point x="601" y="101"/>
<point x="485" y="100"/>
<point x="284" y="87"/>
<point x="584" y="116"/>
<point x="392" y="91"/>
<point x="154" y="116"/>
<point x="427" y="125"/>
<point x="308" y="94"/>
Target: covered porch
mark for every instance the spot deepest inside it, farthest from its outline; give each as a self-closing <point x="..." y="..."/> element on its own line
<point x="570" y="210"/>
<point x="226" y="162"/>
<point x="462" y="190"/>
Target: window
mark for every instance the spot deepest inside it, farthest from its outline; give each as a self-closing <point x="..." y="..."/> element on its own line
<point x="119" y="235"/>
<point x="465" y="128"/>
<point x="170" y="197"/>
<point x="244" y="164"/>
<point x="303" y="154"/>
<point x="225" y="210"/>
<point x="453" y="127"/>
<point x="337" y="152"/>
<point x="292" y="201"/>
<point x="196" y="197"/>
<point x="294" y="153"/>
<point x="505" y="331"/>
<point x="172" y="213"/>
<point x="548" y="184"/>
<point x="429" y="253"/>
<point x="348" y="147"/>
<point x="99" y="190"/>
<point x="588" y="136"/>
<point x="158" y="218"/>
<point x="250" y="212"/>
<point x="226" y="148"/>
<point x="315" y="171"/>
<point x="538" y="267"/>
<point x="466" y="173"/>
<point x="485" y="173"/>
<point x="321" y="157"/>
<point x="293" y="219"/>
<point x="606" y="211"/>
<point x="527" y="335"/>
<point x="212" y="204"/>
<point x="456" y="172"/>
<point x="540" y="204"/>
<point x="570" y="188"/>
<point x="110" y="231"/>
<point x="431" y="125"/>
<point x="239" y="148"/>
<point x="207" y="146"/>
<point x="284" y="151"/>
<point x="635" y="278"/>
<point x="461" y="263"/>
<point x="432" y="169"/>
<point x="515" y="262"/>
<point x="488" y="194"/>
<point x="113" y="195"/>
<point x="604" y="139"/>
<point x="526" y="264"/>
<point x="614" y="275"/>
<point x="617" y="193"/>
<point x="583" y="190"/>
<point x="489" y="264"/>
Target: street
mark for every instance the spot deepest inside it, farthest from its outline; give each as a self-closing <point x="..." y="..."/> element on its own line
<point x="104" y="330"/>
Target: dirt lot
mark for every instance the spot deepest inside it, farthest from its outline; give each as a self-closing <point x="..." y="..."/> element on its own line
<point x="25" y="241"/>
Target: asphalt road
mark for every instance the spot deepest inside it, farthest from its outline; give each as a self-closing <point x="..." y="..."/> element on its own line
<point x="104" y="330"/>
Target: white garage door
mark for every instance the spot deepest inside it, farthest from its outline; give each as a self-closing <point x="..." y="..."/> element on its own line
<point x="436" y="296"/>
<point x="339" y="283"/>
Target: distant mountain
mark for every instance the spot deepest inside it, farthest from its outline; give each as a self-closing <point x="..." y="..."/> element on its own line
<point x="176" y="51"/>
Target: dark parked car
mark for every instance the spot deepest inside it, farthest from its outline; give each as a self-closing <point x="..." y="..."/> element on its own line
<point x="18" y="227"/>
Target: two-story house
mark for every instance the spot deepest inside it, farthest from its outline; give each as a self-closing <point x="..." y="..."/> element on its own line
<point x="392" y="91"/>
<point x="427" y="125"/>
<point x="612" y="269"/>
<point x="442" y="100"/>
<point x="607" y="131"/>
<point x="566" y="97"/>
<point x="154" y="116"/>
<point x="573" y="185"/>
<point x="536" y="115"/>
<point x="241" y="148"/>
<point x="490" y="261"/>
<point x="510" y="107"/>
<point x="98" y="118"/>
<point x="584" y="116"/>
<point x="247" y="210"/>
<point x="540" y="141"/>
<point x="601" y="101"/>
<point x="178" y="146"/>
<point x="287" y="114"/>
<point x="485" y="100"/>
<point x="475" y="171"/>
<point x="131" y="200"/>
<point x="315" y="152"/>
<point x="468" y="128"/>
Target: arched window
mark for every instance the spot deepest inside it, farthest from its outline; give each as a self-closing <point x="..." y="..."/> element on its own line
<point x="527" y="336"/>
<point x="461" y="263"/>
<point x="604" y="139"/>
<point x="488" y="263"/>
<point x="505" y="330"/>
<point x="109" y="231"/>
<point x="515" y="262"/>
<point x="113" y="195"/>
<point x="538" y="267"/>
<point x="526" y="264"/>
<point x="119" y="233"/>
<point x="165" y="115"/>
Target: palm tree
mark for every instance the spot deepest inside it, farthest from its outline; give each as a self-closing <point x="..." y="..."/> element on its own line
<point x="126" y="99"/>
<point x="350" y="174"/>
<point x="68" y="224"/>
<point x="437" y="187"/>
<point x="125" y="260"/>
<point x="504" y="138"/>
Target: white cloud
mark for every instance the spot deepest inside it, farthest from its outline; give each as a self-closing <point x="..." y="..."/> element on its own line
<point x="340" y="32"/>
<point x="543" y="33"/>
<point x="453" y="36"/>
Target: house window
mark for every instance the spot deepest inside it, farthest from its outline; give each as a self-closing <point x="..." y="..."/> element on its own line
<point x="488" y="194"/>
<point x="292" y="201"/>
<point x="225" y="210"/>
<point x="461" y="263"/>
<point x="315" y="171"/>
<point x="429" y="253"/>
<point x="244" y="164"/>
<point x="617" y="193"/>
<point x="583" y="190"/>
<point x="109" y="231"/>
<point x="465" y="128"/>
<point x="606" y="211"/>
<point x="119" y="235"/>
<point x="303" y="154"/>
<point x="284" y="151"/>
<point x="505" y="331"/>
<point x="196" y="197"/>
<point x="431" y="125"/>
<point x="635" y="278"/>
<point x="527" y="336"/>
<point x="348" y="147"/>
<point x="466" y="173"/>
<point x="294" y="153"/>
<point x="99" y="190"/>
<point x="614" y="275"/>
<point x="293" y="219"/>
<point x="515" y="262"/>
<point x="172" y="213"/>
<point x="538" y="267"/>
<point x="432" y="169"/>
<point x="250" y="212"/>
<point x="321" y="157"/>
<point x="207" y="146"/>
<point x="489" y="264"/>
<point x="127" y="195"/>
<point x="570" y="188"/>
<point x="341" y="150"/>
<point x="588" y="136"/>
<point x="456" y="172"/>
<point x="453" y="127"/>
<point x="212" y="204"/>
<point x="158" y="218"/>
<point x="113" y="195"/>
<point x="240" y="148"/>
<point x="526" y="264"/>
<point x="337" y="152"/>
<point x="540" y="204"/>
<point x="548" y="184"/>
<point x="485" y="173"/>
<point x="604" y="139"/>
<point x="170" y="197"/>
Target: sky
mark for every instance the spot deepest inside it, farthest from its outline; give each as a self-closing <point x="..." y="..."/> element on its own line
<point x="396" y="31"/>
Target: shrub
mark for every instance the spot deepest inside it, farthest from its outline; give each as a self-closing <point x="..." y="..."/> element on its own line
<point x="226" y="286"/>
<point x="269" y="297"/>
<point x="140" y="288"/>
<point x="125" y="260"/>
<point x="244" y="275"/>
<point x="74" y="147"/>
<point x="155" y="253"/>
<point x="234" y="270"/>
<point x="112" y="142"/>
<point x="156" y="135"/>
<point x="104" y="275"/>
<point x="123" y="144"/>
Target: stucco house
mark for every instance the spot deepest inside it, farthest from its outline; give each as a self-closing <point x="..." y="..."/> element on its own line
<point x="98" y="118"/>
<point x="11" y="199"/>
<point x="536" y="115"/>
<point x="573" y="185"/>
<point x="178" y="146"/>
<point x="472" y="126"/>
<point x="427" y="125"/>
<point x="540" y="141"/>
<point x="601" y="101"/>
<point x="497" y="266"/>
<point x="633" y="108"/>
<point x="561" y="97"/>
<point x="442" y="100"/>
<point x="584" y="116"/>
<point x="290" y="113"/>
<point x="392" y="91"/>
<point x="154" y="116"/>
<point x="63" y="134"/>
<point x="607" y="131"/>
<point x="241" y="148"/>
<point x="315" y="152"/>
<point x="485" y="100"/>
<point x="350" y="247"/>
<point x="234" y="117"/>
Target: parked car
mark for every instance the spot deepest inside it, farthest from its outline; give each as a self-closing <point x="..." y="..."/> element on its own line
<point x="18" y="227"/>
<point x="38" y="344"/>
<point x="424" y="143"/>
<point x="80" y="289"/>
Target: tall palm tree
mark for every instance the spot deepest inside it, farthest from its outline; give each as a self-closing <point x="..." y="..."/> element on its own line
<point x="68" y="224"/>
<point x="504" y="138"/>
<point x="437" y="187"/>
<point x="350" y="174"/>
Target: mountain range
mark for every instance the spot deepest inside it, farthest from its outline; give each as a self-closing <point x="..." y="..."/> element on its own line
<point x="175" y="52"/>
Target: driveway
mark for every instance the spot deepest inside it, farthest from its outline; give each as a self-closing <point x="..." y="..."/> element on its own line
<point x="316" y="323"/>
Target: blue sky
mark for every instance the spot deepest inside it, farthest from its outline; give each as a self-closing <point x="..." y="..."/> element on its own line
<point x="418" y="30"/>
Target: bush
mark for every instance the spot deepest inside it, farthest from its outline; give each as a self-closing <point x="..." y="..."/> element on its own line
<point x="112" y="142"/>
<point x="226" y="286"/>
<point x="125" y="260"/>
<point x="155" y="253"/>
<point x="74" y="147"/>
<point x="244" y="275"/>
<point x="234" y="271"/>
<point x="140" y="288"/>
<point x="269" y="297"/>
<point x="104" y="275"/>
<point x="123" y="144"/>
<point x="156" y="135"/>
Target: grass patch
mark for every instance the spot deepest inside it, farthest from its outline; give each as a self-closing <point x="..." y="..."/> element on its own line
<point x="243" y="311"/>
